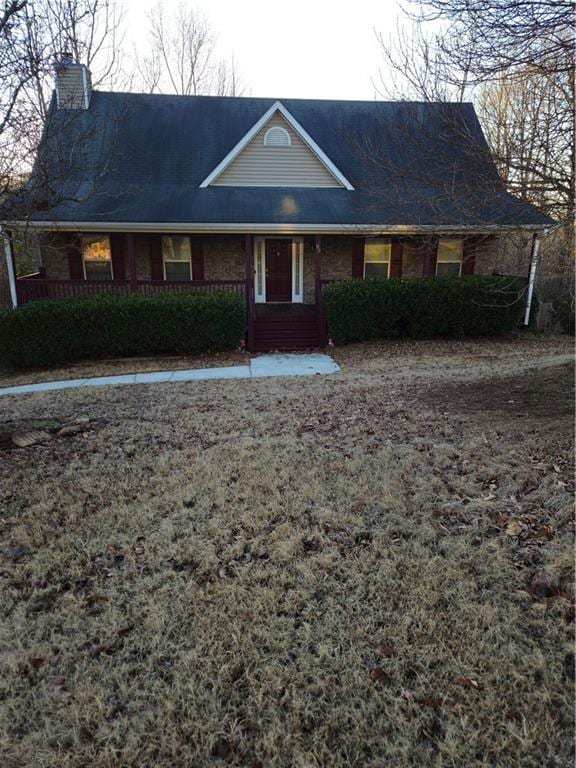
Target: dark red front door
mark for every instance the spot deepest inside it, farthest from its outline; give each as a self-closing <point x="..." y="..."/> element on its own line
<point x="278" y="270"/>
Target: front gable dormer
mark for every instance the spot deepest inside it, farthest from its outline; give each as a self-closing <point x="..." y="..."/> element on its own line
<point x="277" y="152"/>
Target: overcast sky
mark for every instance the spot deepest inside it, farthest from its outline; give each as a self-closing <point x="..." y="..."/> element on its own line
<point x="294" y="48"/>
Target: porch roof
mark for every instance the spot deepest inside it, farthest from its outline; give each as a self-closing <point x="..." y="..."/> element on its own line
<point x="140" y="159"/>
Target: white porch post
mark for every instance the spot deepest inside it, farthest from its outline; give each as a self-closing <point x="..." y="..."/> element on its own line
<point x="532" y="277"/>
<point x="9" y="254"/>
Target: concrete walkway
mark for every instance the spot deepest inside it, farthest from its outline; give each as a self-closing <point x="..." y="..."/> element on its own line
<point x="264" y="365"/>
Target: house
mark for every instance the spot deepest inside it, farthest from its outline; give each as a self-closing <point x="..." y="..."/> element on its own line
<point x="271" y="199"/>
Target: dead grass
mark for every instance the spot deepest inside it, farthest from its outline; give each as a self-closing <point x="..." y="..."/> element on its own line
<point x="311" y="572"/>
<point x="115" y="367"/>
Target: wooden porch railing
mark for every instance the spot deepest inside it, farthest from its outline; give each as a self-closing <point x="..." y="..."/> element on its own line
<point x="31" y="288"/>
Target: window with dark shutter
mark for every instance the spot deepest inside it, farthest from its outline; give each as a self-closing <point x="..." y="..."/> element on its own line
<point x="449" y="258"/>
<point x="97" y="257"/>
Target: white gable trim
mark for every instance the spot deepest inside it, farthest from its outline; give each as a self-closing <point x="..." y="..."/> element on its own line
<point x="306" y="138"/>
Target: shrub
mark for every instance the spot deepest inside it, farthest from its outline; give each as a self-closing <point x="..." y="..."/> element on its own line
<point x="54" y="331"/>
<point x="419" y="307"/>
<point x="563" y="312"/>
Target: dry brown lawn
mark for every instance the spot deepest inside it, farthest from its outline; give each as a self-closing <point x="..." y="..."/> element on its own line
<point x="369" y="569"/>
<point x="85" y="369"/>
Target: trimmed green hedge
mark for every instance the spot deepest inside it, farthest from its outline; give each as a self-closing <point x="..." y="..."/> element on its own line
<point x="54" y="331"/>
<point x="422" y="307"/>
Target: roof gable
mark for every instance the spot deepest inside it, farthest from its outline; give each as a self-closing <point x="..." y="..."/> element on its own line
<point x="295" y="162"/>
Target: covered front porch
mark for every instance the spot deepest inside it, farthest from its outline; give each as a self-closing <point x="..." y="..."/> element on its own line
<point x="279" y="275"/>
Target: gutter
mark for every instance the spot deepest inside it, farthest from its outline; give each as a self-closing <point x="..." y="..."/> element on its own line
<point x="268" y="228"/>
<point x="9" y="254"/>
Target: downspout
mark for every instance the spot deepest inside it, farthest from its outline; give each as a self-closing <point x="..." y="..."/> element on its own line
<point x="9" y="266"/>
<point x="532" y="277"/>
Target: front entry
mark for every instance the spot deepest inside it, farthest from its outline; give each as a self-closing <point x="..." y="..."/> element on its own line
<point x="278" y="270"/>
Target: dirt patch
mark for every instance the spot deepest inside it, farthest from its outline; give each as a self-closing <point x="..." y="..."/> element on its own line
<point x="541" y="393"/>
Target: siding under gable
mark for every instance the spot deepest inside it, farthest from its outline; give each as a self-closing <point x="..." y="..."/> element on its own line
<point x="258" y="165"/>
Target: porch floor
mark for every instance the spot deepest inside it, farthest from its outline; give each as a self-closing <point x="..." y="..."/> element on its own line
<point x="282" y="308"/>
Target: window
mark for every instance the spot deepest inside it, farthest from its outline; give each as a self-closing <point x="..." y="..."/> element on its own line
<point x="277" y="137"/>
<point x="177" y="256"/>
<point x="97" y="258"/>
<point x="377" y="258"/>
<point x="449" y="260"/>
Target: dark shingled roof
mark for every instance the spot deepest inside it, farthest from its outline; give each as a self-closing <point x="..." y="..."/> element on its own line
<point x="141" y="158"/>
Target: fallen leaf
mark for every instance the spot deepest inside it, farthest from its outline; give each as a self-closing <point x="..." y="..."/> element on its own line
<point x="514" y="528"/>
<point x="436" y="703"/>
<point x="94" y="599"/>
<point x="59" y="680"/>
<point x="541" y="585"/>
<point x="544" y="533"/>
<point x="36" y="662"/>
<point x="466" y="682"/>
<point x="379" y="675"/>
<point x="385" y="649"/>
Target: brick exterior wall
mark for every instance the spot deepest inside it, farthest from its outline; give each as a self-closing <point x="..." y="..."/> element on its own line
<point x="224" y="257"/>
<point x="336" y="261"/>
<point x="412" y="260"/>
<point x="55" y="256"/>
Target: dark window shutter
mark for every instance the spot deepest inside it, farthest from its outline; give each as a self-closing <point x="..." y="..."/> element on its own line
<point x="396" y="259"/>
<point x="75" y="258"/>
<point x="469" y="255"/>
<point x="197" y="250"/>
<point x="156" y="262"/>
<point x="430" y="256"/>
<point x="118" y="248"/>
<point x="358" y="257"/>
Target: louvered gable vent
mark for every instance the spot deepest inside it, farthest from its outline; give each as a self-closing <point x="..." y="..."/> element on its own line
<point x="277" y="137"/>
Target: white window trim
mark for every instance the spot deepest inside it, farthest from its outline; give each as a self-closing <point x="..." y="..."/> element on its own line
<point x="260" y="247"/>
<point x="380" y="261"/>
<point x="84" y="260"/>
<point x="306" y="138"/>
<point x="277" y="128"/>
<point x="298" y="262"/>
<point x="377" y="262"/>
<point x="172" y="261"/>
<point x="450" y="261"/>
<point x="445" y="261"/>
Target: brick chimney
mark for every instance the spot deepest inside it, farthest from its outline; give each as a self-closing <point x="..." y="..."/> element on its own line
<point x="73" y="83"/>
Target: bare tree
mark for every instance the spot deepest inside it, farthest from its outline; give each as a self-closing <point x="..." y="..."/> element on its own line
<point x="528" y="126"/>
<point x="31" y="36"/>
<point x="228" y="81"/>
<point x="514" y="58"/>
<point x="182" y="57"/>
